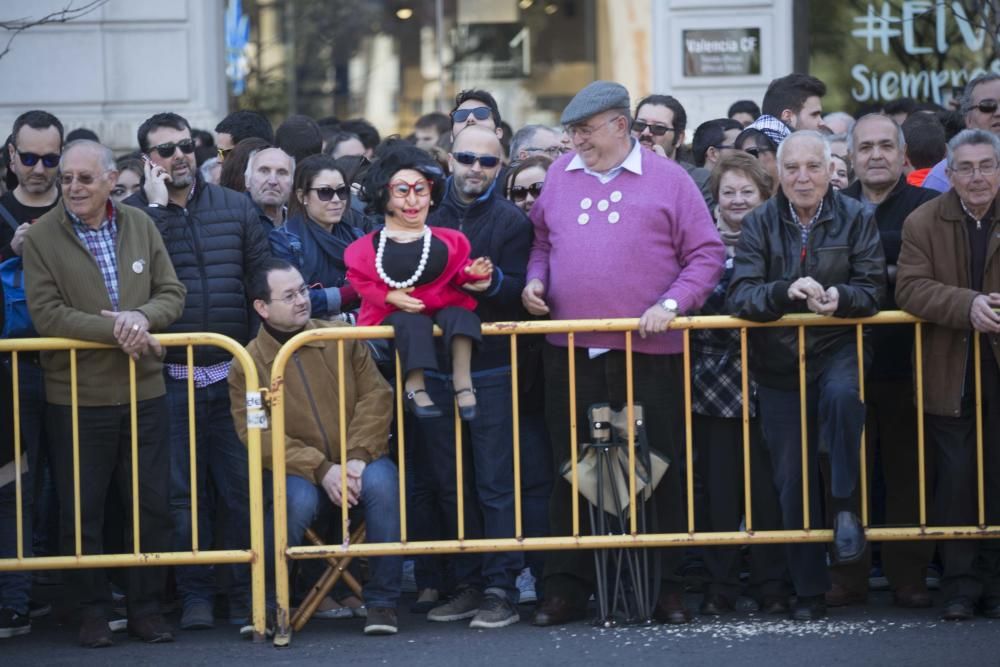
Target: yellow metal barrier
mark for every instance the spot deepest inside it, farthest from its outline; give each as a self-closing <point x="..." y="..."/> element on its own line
<point x="518" y="542"/>
<point x="197" y="556"/>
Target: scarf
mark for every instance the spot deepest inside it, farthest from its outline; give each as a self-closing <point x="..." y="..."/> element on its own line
<point x="730" y="235"/>
<point x="322" y="257"/>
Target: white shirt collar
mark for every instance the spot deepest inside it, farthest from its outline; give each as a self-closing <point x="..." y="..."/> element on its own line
<point x="632" y="162"/>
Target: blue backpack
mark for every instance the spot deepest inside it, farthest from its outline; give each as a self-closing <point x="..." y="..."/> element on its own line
<point x="16" y="319"/>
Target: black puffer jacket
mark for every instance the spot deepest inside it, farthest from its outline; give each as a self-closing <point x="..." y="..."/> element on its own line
<point x="843" y="251"/>
<point x="499" y="230"/>
<point x="215" y="243"/>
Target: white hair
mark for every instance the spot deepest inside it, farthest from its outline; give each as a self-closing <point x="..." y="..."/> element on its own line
<point x="802" y="135"/>
<point x="104" y="154"/>
<point x="972" y="137"/>
<point x="253" y="155"/>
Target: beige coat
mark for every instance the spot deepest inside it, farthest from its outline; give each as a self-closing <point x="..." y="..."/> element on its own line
<point x="312" y="412"/>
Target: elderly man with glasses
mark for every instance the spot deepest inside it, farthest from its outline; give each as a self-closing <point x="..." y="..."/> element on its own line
<point x="949" y="275"/>
<point x="99" y="271"/>
<point x="619" y="233"/>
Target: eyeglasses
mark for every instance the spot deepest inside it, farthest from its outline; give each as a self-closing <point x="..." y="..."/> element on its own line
<point x="302" y="292"/>
<point x="551" y="151"/>
<point x="520" y="192"/>
<point x="222" y="153"/>
<point x="49" y="160"/>
<point x="756" y="152"/>
<point x="586" y="131"/>
<point x="968" y="170"/>
<point x="656" y="130"/>
<point x="479" y="113"/>
<point x="986" y="106"/>
<point x="326" y="193"/>
<point x="85" y="178"/>
<point x="402" y="189"/>
<point x="485" y="161"/>
<point x="167" y="150"/>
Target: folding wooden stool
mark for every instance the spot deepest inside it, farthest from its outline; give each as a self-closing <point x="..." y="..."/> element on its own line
<point x="336" y="568"/>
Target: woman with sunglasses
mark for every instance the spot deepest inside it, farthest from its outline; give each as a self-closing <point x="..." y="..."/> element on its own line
<point x="526" y="180"/>
<point x="315" y="236"/>
<point x="761" y="147"/>
<point x="412" y="276"/>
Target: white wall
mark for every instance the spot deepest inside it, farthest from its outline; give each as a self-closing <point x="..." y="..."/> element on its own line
<point x="117" y="66"/>
<point x="705" y="98"/>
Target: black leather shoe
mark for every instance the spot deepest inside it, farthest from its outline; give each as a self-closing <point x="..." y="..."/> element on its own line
<point x="810" y="608"/>
<point x="990" y="607"/>
<point x="95" y="633"/>
<point x="152" y="629"/>
<point x="554" y="610"/>
<point x="773" y="604"/>
<point x="670" y="609"/>
<point x="957" y="609"/>
<point x="421" y="411"/>
<point x="911" y="597"/>
<point x="848" y="538"/>
<point x="467" y="412"/>
<point x="715" y="605"/>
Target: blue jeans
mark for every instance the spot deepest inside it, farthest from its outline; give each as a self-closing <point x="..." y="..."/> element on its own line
<point x="308" y="505"/>
<point x="489" y="492"/>
<point x="835" y="415"/>
<point x="222" y="458"/>
<point x="537" y="478"/>
<point x="15" y="587"/>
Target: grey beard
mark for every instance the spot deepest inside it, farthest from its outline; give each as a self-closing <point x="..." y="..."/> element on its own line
<point x="181" y="183"/>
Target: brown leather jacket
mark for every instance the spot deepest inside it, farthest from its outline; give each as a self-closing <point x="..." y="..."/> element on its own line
<point x="312" y="413"/>
<point x="933" y="283"/>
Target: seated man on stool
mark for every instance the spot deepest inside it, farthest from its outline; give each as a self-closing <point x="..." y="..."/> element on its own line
<point x="312" y="447"/>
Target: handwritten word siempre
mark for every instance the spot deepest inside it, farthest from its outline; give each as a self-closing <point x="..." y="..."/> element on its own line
<point x="879" y="29"/>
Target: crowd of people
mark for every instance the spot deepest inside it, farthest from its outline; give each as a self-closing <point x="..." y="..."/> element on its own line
<point x="260" y="233"/>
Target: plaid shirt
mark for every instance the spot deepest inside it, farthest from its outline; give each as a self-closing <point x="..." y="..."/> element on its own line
<point x="716" y="378"/>
<point x="101" y="244"/>
<point x="805" y="229"/>
<point x="203" y="375"/>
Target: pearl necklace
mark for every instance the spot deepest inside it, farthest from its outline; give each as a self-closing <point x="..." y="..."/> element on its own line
<point x="424" y="254"/>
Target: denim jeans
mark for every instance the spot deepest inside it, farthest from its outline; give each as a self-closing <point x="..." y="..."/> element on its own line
<point x="15" y="587"/>
<point x="489" y="478"/>
<point x="308" y="505"/>
<point x="222" y="458"/>
<point x="835" y="415"/>
<point x="537" y="478"/>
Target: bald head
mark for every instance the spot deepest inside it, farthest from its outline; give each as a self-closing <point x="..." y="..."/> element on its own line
<point x="473" y="146"/>
<point x="480" y="138"/>
<point x="104" y="156"/>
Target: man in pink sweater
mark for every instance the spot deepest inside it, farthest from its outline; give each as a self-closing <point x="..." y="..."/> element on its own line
<point x="619" y="232"/>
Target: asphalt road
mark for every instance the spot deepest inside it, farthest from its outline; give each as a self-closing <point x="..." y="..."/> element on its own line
<point x="877" y="634"/>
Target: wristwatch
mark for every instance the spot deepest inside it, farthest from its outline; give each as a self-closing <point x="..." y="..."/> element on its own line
<point x="670" y="305"/>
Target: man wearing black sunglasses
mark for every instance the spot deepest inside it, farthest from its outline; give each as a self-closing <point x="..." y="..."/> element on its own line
<point x="981" y="105"/>
<point x="486" y="585"/>
<point x="215" y="240"/>
<point x="475" y="107"/>
<point x="35" y="146"/>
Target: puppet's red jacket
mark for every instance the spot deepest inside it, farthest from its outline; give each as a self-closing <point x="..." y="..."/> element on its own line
<point x="442" y="292"/>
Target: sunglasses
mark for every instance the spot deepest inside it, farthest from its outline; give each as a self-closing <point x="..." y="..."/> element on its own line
<point x="485" y="161"/>
<point x="326" y="193"/>
<point x="479" y="113"/>
<point x="756" y="152"/>
<point x="655" y="130"/>
<point x="167" y="150"/>
<point x="222" y="153"/>
<point x="49" y="160"/>
<point x="402" y="189"/>
<point x="986" y="106"/>
<point x="520" y="192"/>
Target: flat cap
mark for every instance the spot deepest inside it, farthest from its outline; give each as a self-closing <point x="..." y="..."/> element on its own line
<point x="593" y="99"/>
